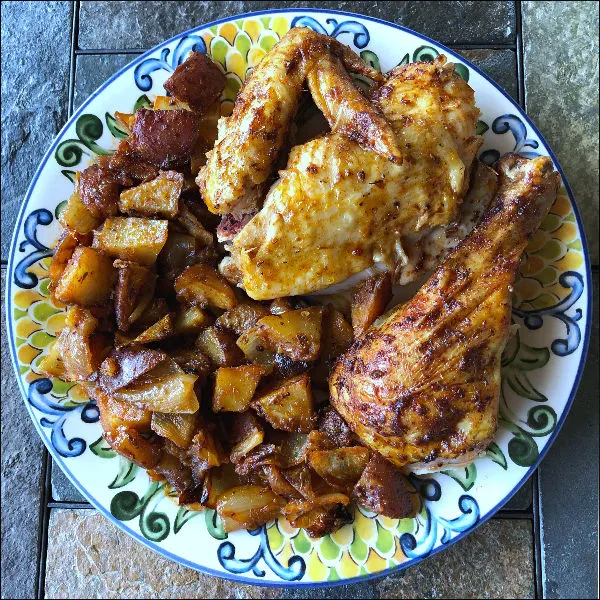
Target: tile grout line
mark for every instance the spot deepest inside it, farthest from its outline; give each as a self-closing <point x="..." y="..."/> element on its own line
<point x="520" y="61"/>
<point x="538" y="558"/>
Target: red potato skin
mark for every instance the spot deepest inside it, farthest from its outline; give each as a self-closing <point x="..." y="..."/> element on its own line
<point x="130" y="163"/>
<point x="197" y="81"/>
<point x="165" y="138"/>
<point x="99" y="189"/>
<point x="124" y="365"/>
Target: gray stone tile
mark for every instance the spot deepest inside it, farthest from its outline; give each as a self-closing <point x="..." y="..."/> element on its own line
<point x="495" y="561"/>
<point x="62" y="489"/>
<point x="144" y="24"/>
<point x="92" y="70"/>
<point x="35" y="81"/>
<point x="561" y="91"/>
<point x="569" y="490"/>
<point x="22" y="452"/>
<point x="500" y="65"/>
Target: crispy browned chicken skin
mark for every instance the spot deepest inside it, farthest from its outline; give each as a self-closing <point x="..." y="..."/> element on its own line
<point x="422" y="387"/>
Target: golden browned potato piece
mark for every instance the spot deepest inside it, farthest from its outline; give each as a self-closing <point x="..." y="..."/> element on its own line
<point x="125" y="365"/>
<point x="193" y="226"/>
<point x="192" y="319"/>
<point x="179" y="428"/>
<point x="88" y="278"/>
<point x="246" y="433"/>
<point x="133" y="446"/>
<point x="369" y="299"/>
<point x="114" y="413"/>
<point x="216" y="481"/>
<point x="235" y="387"/>
<point x="160" y="330"/>
<point x="248" y="507"/>
<point x="205" y="453"/>
<point x="295" y="333"/>
<point x="289" y="406"/>
<point x="62" y="253"/>
<point x="242" y="317"/>
<point x="157" y="197"/>
<point x="342" y="467"/>
<point x="52" y="364"/>
<point x="201" y="285"/>
<point x="132" y="238"/>
<point x="220" y="347"/>
<point x="75" y="216"/>
<point x="133" y="292"/>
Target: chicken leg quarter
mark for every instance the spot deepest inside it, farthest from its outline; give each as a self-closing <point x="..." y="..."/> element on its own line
<point x="422" y="387"/>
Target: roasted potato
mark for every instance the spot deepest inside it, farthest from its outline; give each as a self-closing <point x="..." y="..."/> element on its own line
<point x="193" y="361"/>
<point x="242" y="317"/>
<point x="124" y="365"/>
<point x="179" y="428"/>
<point x="192" y="319"/>
<point x="131" y="163"/>
<point x="248" y="507"/>
<point x="133" y="292"/>
<point x="160" y="330"/>
<point x="220" y="347"/>
<point x="197" y="81"/>
<point x="369" y="299"/>
<point x="76" y="217"/>
<point x="384" y="490"/>
<point x="205" y="452"/>
<point x="114" y="414"/>
<point x="321" y="520"/>
<point x="333" y="426"/>
<point x="157" y="197"/>
<point x="125" y="119"/>
<point x="216" y="481"/>
<point x="166" y="388"/>
<point x="88" y="278"/>
<point x="176" y="473"/>
<point x="289" y="406"/>
<point x="99" y="189"/>
<point x="131" y="444"/>
<point x="63" y="251"/>
<point x="169" y="103"/>
<point x="132" y="238"/>
<point x="201" y="285"/>
<point x="165" y="138"/>
<point x="295" y="333"/>
<point x="340" y="468"/>
<point x="235" y="387"/>
<point x="193" y="226"/>
<point x="247" y="433"/>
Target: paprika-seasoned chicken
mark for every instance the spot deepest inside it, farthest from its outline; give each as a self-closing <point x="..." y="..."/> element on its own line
<point x="340" y="207"/>
<point x="422" y="387"/>
<point x="244" y="155"/>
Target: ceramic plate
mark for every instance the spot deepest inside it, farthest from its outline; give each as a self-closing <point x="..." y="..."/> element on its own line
<point x="540" y="368"/>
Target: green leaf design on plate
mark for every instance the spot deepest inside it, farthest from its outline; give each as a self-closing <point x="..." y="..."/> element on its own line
<point x="126" y="474"/>
<point x="462" y="71"/>
<point x="494" y="452"/>
<point x="359" y="550"/>
<point x="218" y="49"/>
<point x="425" y="54"/>
<point x="183" y="516"/>
<point x="61" y="205"/>
<point x="405" y="60"/>
<point x="329" y="549"/>
<point x="127" y="505"/>
<point x="520" y="384"/>
<point x="116" y="129"/>
<point x="481" y="127"/>
<point x="385" y="540"/>
<point x="371" y="59"/>
<point x="70" y="175"/>
<point x="214" y="524"/>
<point x="89" y="128"/>
<point x="142" y="102"/>
<point x="101" y="448"/>
<point x="465" y="477"/>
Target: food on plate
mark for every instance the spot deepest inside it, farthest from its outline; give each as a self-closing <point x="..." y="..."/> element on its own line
<point x="422" y="387"/>
<point x="210" y="371"/>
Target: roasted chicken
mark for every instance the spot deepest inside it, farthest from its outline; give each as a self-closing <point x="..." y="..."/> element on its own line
<point x="393" y="164"/>
<point x="422" y="387"/>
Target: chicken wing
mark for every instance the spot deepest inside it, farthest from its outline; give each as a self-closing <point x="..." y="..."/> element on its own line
<point x="422" y="387"/>
<point x="339" y="207"/>
<point x="232" y="181"/>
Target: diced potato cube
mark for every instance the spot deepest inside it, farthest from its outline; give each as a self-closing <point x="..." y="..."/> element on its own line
<point x="242" y="317"/>
<point x="235" y="387"/>
<point x="114" y="414"/>
<point x="203" y="286"/>
<point x="192" y="319"/>
<point x="125" y="119"/>
<point x="125" y="365"/>
<point x="218" y="480"/>
<point x="248" y="434"/>
<point x="248" y="506"/>
<point x="179" y="428"/>
<point x="205" y="453"/>
<point x="132" y="445"/>
<point x="159" y="331"/>
<point x="133" y="292"/>
<point x="295" y="333"/>
<point x="88" y="278"/>
<point x="289" y="406"/>
<point x="52" y="364"/>
<point x="220" y="347"/>
<point x="157" y="197"/>
<point x="193" y="226"/>
<point x="76" y="216"/>
<point x="342" y="467"/>
<point x="62" y="253"/>
<point x="369" y="299"/>
<point x="169" y="103"/>
<point x="131" y="238"/>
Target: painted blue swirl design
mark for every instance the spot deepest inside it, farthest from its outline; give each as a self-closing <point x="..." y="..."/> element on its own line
<point x="423" y="541"/>
<point x="534" y="319"/>
<point x="37" y="396"/>
<point x="226" y="555"/>
<point x="360" y="32"/>
<point x="186" y="44"/>
<point x="22" y="277"/>
<point x="503" y="124"/>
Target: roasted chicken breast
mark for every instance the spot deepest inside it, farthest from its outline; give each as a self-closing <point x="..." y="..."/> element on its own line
<point x="341" y="206"/>
<point x="422" y="387"/>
